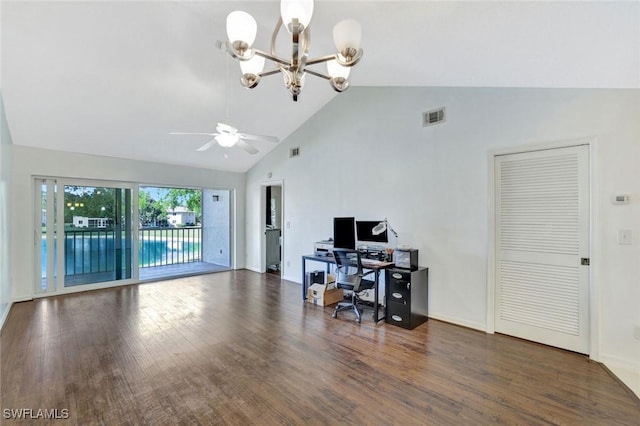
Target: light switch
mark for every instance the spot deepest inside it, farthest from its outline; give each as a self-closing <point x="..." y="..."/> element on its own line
<point x="625" y="237"/>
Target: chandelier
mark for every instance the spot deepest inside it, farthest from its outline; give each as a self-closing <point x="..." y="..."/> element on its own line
<point x="295" y="16"/>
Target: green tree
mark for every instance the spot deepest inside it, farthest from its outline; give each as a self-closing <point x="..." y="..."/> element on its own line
<point x="190" y="198"/>
<point x="150" y="210"/>
<point x="89" y="202"/>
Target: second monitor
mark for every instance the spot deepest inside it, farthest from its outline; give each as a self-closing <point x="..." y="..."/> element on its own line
<point x="364" y="231"/>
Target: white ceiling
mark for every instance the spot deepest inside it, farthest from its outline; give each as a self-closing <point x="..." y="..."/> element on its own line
<point x="114" y="78"/>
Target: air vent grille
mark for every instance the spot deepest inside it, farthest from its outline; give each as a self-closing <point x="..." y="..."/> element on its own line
<point x="294" y="152"/>
<point x="432" y="117"/>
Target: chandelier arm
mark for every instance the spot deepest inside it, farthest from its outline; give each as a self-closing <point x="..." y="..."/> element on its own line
<point x="295" y="41"/>
<point x="270" y="57"/>
<point x="270" y="72"/>
<point x="305" y="42"/>
<point x="274" y="37"/>
<point x="227" y="47"/>
<point x="244" y="55"/>
<point x="352" y="61"/>
<point x="322" y="59"/>
<point x="317" y="74"/>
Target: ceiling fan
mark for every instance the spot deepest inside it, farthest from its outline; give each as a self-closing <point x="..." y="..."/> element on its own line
<point x="227" y="136"/>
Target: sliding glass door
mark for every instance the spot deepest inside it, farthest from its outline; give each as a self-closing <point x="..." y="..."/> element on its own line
<point x="84" y="233"/>
<point x="97" y="235"/>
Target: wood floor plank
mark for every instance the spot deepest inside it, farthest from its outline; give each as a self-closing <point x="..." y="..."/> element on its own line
<point x="240" y="348"/>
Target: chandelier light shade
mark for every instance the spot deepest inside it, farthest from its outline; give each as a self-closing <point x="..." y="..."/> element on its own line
<point x="347" y="36"/>
<point x="295" y="17"/>
<point x="241" y="30"/>
<point x="296" y="9"/>
<point x="253" y="65"/>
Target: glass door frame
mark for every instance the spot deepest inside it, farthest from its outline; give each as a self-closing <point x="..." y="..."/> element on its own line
<point x="55" y="214"/>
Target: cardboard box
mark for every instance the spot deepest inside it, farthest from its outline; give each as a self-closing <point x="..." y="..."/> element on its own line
<point x="320" y="295"/>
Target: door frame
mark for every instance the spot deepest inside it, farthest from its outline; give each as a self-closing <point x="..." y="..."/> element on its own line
<point x="594" y="238"/>
<point x="263" y="220"/>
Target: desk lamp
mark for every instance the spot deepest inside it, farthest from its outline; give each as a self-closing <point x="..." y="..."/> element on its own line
<point x="383" y="226"/>
<point x="379" y="229"/>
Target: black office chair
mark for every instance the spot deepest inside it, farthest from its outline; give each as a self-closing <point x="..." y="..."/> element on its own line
<point x="349" y="276"/>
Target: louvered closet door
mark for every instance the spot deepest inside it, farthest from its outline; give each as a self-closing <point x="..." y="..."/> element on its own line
<point x="542" y="212"/>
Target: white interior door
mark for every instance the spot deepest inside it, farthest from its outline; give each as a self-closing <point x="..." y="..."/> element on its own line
<point x="542" y="242"/>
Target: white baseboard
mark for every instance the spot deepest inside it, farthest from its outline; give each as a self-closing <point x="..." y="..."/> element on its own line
<point x="627" y="371"/>
<point x="458" y="321"/>
<point x="5" y="314"/>
<point x="249" y="268"/>
<point x="292" y="279"/>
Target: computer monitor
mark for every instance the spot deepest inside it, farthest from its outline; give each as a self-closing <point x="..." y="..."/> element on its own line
<point x="365" y="232"/>
<point x="344" y="232"/>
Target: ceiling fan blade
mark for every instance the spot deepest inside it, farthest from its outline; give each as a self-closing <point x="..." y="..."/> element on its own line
<point x="207" y="145"/>
<point x="263" y="138"/>
<point x="188" y="133"/>
<point x="249" y="148"/>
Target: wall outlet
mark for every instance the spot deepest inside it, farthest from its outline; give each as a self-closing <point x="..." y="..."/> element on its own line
<point x="288" y="263"/>
<point x="636" y="332"/>
<point x="625" y="236"/>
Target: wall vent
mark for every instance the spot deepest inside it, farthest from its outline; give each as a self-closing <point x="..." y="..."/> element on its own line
<point x="432" y="117"/>
<point x="294" y="152"/>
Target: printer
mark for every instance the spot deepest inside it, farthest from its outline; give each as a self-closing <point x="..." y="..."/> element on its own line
<point x="323" y="248"/>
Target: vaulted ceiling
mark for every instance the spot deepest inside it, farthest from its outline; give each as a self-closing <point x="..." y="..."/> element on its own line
<point x="115" y="78"/>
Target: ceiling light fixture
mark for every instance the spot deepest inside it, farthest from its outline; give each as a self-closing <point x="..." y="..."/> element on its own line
<point x="295" y="17"/>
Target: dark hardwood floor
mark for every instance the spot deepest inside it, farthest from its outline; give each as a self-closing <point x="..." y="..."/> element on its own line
<point x="240" y="348"/>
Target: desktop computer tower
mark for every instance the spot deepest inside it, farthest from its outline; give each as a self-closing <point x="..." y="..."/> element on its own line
<point x="314" y="277"/>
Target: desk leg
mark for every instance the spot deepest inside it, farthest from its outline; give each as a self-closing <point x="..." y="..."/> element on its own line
<point x="304" y="282"/>
<point x="376" y="305"/>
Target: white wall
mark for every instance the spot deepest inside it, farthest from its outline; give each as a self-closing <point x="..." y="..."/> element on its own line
<point x="30" y="162"/>
<point x="5" y="193"/>
<point x="367" y="155"/>
<point x="216" y="220"/>
<point x="5" y="228"/>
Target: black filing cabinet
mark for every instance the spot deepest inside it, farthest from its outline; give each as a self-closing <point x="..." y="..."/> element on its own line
<point x="407" y="296"/>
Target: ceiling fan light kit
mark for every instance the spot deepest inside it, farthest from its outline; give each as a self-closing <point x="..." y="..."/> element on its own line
<point x="295" y="16"/>
<point x="226" y="140"/>
<point x="227" y="136"/>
